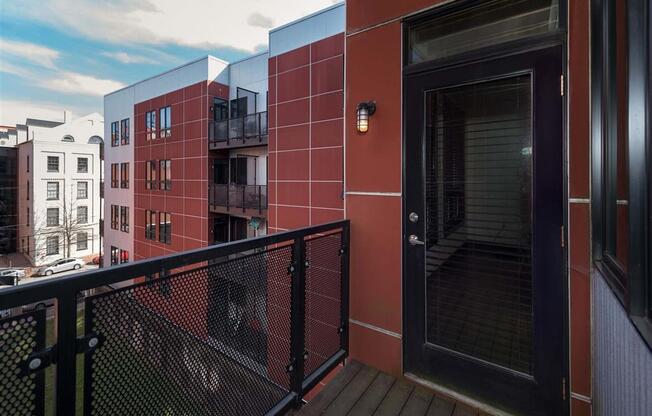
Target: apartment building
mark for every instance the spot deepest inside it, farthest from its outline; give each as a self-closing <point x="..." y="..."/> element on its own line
<point x="8" y="199"/>
<point x="187" y="159"/>
<point x="58" y="199"/>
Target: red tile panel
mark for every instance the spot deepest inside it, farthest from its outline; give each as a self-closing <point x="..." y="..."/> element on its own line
<point x="327" y="75"/>
<point x="293" y="59"/>
<point x="293" y="84"/>
<point x="326" y="164"/>
<point x="327" y="106"/>
<point x="294" y="137"/>
<point x="327" y="48"/>
<point x="293" y="165"/>
<point x="376" y="349"/>
<point x="327" y="194"/>
<point x="580" y="408"/>
<point x="293" y="112"/>
<point x="327" y="133"/>
<point x="288" y="217"/>
<point x="293" y="193"/>
<point x="361" y="14"/>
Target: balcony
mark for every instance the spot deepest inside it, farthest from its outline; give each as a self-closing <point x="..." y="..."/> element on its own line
<point x="247" y="200"/>
<point x="246" y="131"/>
<point x="183" y="334"/>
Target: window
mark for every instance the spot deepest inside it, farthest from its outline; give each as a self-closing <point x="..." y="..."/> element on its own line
<point x="82" y="215"/>
<point x="52" y="218"/>
<point x="28" y="163"/>
<point x="220" y="109"/>
<point x="124" y="219"/>
<point x="52" y="191"/>
<point x="53" y="163"/>
<point x="115" y="139"/>
<point x="165" y="172"/>
<point x="68" y="138"/>
<point x="124" y="256"/>
<point x="164" y="228"/>
<point x="621" y="87"/>
<point x="28" y="190"/>
<point x="150" y="174"/>
<point x="115" y="252"/>
<point x="166" y="121"/>
<point x="52" y="245"/>
<point x="114" y="217"/>
<point x="124" y="131"/>
<point x="82" y="165"/>
<point x="82" y="241"/>
<point x="28" y="216"/>
<point x="82" y="190"/>
<point x="150" y="125"/>
<point x="150" y="225"/>
<point x="124" y="175"/>
<point x="114" y="175"/>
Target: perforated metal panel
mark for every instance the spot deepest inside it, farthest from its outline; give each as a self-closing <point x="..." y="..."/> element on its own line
<point x="21" y="336"/>
<point x="212" y="340"/>
<point x="323" y="295"/>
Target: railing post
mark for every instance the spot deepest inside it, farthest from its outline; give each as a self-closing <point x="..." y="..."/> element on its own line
<point x="66" y="354"/>
<point x="297" y="317"/>
<point x="244" y="198"/>
<point x="260" y="199"/>
<point x="344" y="294"/>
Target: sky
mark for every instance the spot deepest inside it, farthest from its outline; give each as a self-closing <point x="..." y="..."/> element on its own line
<point x="58" y="55"/>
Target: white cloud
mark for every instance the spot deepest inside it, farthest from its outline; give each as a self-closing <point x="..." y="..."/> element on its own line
<point x="194" y="23"/>
<point x="14" y="112"/>
<point x="75" y="83"/>
<point x="36" y="54"/>
<point x="258" y="20"/>
<point x="127" y="58"/>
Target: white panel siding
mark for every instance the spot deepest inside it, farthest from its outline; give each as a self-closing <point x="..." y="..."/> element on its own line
<point x="622" y="363"/>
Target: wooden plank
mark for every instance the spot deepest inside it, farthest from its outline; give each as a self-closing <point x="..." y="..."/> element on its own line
<point x="395" y="399"/>
<point x="352" y="393"/>
<point x="463" y="410"/>
<point x="441" y="407"/>
<point x="375" y="394"/>
<point x="418" y="403"/>
<point x="332" y="390"/>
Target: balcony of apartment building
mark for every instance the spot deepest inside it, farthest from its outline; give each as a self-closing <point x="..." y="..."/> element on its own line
<point x="197" y="332"/>
<point x="239" y="186"/>
<point x="238" y="122"/>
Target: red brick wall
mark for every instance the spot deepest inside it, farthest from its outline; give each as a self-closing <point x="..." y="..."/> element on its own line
<point x="306" y="101"/>
<point x="187" y="200"/>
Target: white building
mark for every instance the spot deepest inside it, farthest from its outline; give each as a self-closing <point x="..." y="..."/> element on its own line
<point x="59" y="180"/>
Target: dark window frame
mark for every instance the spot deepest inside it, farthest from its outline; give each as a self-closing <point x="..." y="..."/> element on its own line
<point x="165" y="174"/>
<point x="124" y="131"/>
<point x="49" y="252"/>
<point x="124" y="175"/>
<point x="150" y="125"/>
<point x="115" y="134"/>
<point x="50" y="195"/>
<point x="80" y="168"/>
<point x="115" y="253"/>
<point x="150" y="174"/>
<point x="124" y="219"/>
<point x="632" y="288"/>
<point x="49" y="222"/>
<point x="82" y="219"/>
<point x="164" y="227"/>
<point x="84" y="194"/>
<point x="150" y="225"/>
<point x="51" y="161"/>
<point x="84" y="240"/>
<point x="165" y="121"/>
<point x="115" y="172"/>
<point x="114" y="217"/>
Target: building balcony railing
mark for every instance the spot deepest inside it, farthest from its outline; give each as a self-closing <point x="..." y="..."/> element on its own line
<point x="249" y="130"/>
<point x="243" y="198"/>
<point x="197" y="332"/>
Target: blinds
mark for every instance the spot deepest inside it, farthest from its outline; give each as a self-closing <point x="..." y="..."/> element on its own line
<point x="478" y="225"/>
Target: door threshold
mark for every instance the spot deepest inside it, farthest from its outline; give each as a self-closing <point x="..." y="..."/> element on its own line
<point x="459" y="397"/>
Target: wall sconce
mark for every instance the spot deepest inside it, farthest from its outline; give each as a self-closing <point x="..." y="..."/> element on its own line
<point x="363" y="112"/>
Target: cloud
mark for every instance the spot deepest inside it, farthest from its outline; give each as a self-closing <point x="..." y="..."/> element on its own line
<point x="258" y="20"/>
<point x="36" y="54"/>
<point x="194" y="23"/>
<point x="75" y="83"/>
<point x="127" y="58"/>
<point x="14" y="112"/>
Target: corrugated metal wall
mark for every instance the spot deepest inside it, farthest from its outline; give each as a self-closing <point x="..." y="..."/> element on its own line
<point x="622" y="363"/>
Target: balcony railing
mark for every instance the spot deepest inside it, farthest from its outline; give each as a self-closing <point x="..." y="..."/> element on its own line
<point x="183" y="334"/>
<point x="249" y="130"/>
<point x="244" y="197"/>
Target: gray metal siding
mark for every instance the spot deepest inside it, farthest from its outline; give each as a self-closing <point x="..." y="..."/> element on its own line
<point x="622" y="363"/>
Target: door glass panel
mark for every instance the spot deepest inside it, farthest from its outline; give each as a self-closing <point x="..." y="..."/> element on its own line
<point x="488" y="23"/>
<point x="479" y="221"/>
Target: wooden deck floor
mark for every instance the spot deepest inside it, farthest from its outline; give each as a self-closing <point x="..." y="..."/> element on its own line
<point x="361" y="390"/>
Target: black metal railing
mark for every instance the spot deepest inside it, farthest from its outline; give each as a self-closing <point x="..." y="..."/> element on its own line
<point x="194" y="333"/>
<point x="238" y="196"/>
<point x="249" y="130"/>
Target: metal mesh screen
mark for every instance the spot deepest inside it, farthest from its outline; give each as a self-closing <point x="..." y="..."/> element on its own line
<point x="323" y="295"/>
<point x="21" y="336"/>
<point x="213" y="340"/>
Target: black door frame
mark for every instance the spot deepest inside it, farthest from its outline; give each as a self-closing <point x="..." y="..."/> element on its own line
<point x="557" y="40"/>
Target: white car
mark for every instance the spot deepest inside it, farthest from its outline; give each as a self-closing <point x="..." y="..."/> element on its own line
<point x="9" y="276"/>
<point x="60" y="266"/>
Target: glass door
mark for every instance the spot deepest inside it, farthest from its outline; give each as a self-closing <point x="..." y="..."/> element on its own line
<point x="484" y="210"/>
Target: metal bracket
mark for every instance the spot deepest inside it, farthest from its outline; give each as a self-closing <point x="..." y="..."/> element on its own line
<point x="341" y="329"/>
<point x="342" y="250"/>
<point x="290" y="367"/>
<point x="38" y="361"/>
<point x="88" y="343"/>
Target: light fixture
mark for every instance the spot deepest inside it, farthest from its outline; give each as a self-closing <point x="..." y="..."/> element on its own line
<point x="363" y="112"/>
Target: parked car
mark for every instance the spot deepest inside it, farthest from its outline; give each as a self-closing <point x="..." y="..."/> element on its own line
<point x="60" y="266"/>
<point x="11" y="276"/>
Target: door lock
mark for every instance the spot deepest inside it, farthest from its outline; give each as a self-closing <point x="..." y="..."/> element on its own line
<point x="414" y="240"/>
<point x="413" y="217"/>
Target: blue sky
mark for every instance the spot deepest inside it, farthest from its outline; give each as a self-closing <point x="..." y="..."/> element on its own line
<point x="66" y="54"/>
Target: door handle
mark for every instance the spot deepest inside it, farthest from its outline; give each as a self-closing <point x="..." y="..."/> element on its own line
<point x="414" y="240"/>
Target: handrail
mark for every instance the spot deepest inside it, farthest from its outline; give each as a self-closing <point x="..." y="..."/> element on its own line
<point x="245" y="127"/>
